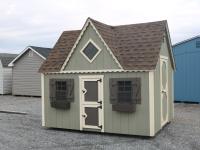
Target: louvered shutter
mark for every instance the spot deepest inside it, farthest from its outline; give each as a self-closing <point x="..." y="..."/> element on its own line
<point x="52" y="90"/>
<point x="113" y="90"/>
<point x="136" y="91"/>
<point x="70" y="90"/>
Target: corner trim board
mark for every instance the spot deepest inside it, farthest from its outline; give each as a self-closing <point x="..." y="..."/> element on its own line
<point x="43" y="103"/>
<point x="151" y="104"/>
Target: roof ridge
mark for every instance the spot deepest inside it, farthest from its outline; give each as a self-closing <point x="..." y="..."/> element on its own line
<point x="164" y="21"/>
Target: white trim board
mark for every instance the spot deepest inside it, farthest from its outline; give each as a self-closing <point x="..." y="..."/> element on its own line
<point x="24" y="51"/>
<point x="97" y="71"/>
<point x="151" y="104"/>
<point x="43" y="103"/>
<point x="78" y="39"/>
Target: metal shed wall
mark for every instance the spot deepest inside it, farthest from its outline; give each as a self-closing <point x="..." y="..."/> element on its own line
<point x="187" y="75"/>
<point x="26" y="79"/>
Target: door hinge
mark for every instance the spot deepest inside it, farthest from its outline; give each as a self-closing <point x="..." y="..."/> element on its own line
<point x="99" y="107"/>
<point x="100" y="80"/>
<point x="100" y="102"/>
<point x="100" y="126"/>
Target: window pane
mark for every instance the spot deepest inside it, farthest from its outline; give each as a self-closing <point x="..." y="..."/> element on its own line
<point x="90" y="51"/>
<point x="61" y="90"/>
<point x="197" y="44"/>
<point x="127" y="88"/>
<point x="124" y="91"/>
<point x="120" y="83"/>
<point x="120" y="88"/>
<point x="127" y="83"/>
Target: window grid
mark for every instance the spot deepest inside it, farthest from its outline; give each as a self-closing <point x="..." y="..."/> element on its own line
<point x="197" y="44"/>
<point x="61" y="90"/>
<point x="124" y="91"/>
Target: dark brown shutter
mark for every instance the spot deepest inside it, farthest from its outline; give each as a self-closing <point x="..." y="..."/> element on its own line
<point x="124" y="107"/>
<point x="52" y="90"/>
<point x="70" y="90"/>
<point x="136" y="91"/>
<point x="113" y="90"/>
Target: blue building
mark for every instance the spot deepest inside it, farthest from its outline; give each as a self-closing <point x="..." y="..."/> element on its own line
<point x="187" y="75"/>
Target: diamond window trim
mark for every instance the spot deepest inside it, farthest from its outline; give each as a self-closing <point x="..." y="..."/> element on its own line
<point x="93" y="58"/>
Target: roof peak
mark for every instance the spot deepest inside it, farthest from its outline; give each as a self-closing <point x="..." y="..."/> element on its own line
<point x="39" y="47"/>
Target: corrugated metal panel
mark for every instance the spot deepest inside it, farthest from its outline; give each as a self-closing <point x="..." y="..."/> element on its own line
<point x="187" y="75"/>
<point x="26" y="79"/>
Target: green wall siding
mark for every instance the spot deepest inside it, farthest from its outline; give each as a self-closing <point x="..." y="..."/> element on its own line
<point x="104" y="60"/>
<point x="61" y="118"/>
<point x="114" y="122"/>
<point x="157" y="99"/>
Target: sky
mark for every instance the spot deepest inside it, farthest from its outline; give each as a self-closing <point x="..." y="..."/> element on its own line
<point x="40" y="22"/>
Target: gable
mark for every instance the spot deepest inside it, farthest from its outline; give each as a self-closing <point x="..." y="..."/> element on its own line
<point x="133" y="47"/>
<point x="102" y="61"/>
<point x="28" y="59"/>
<point x="165" y="51"/>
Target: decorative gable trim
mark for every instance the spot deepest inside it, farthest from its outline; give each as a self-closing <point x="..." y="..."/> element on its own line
<point x="168" y="39"/>
<point x="11" y="64"/>
<point x="99" y="50"/>
<point x="109" y="50"/>
<point x="97" y="71"/>
<point x="78" y="39"/>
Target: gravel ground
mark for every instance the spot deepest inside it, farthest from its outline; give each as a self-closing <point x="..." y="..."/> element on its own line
<point x="24" y="132"/>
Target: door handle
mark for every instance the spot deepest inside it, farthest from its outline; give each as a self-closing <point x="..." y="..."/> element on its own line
<point x="84" y="116"/>
<point x="84" y="91"/>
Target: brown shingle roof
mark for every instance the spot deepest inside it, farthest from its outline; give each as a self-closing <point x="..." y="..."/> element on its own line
<point x="60" y="51"/>
<point x="136" y="46"/>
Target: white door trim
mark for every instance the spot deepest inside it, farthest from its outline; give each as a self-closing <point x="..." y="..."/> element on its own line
<point x="164" y="59"/>
<point x="83" y="78"/>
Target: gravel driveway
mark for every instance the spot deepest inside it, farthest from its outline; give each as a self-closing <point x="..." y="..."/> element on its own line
<point x="23" y="132"/>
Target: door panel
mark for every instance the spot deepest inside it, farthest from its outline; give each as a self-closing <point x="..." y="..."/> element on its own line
<point x="91" y="93"/>
<point x="92" y="116"/>
<point x="164" y="90"/>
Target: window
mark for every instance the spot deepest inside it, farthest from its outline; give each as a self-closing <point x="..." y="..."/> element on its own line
<point x="30" y="53"/>
<point x="124" y="91"/>
<point x="61" y="93"/>
<point x="90" y="51"/>
<point x="197" y="44"/>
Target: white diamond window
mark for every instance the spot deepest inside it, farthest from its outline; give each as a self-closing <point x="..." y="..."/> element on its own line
<point x="90" y="51"/>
